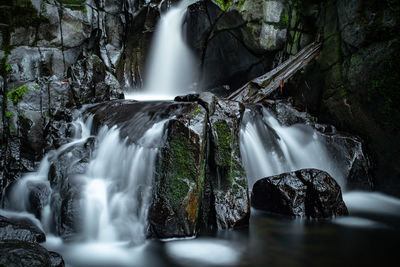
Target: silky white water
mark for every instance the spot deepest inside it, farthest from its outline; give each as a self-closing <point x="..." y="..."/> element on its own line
<point x="117" y="186"/>
<point x="268" y="148"/>
<point x="171" y="67"/>
<point x="18" y="197"/>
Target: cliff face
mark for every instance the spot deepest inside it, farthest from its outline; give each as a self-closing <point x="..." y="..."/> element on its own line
<point x="57" y="55"/>
<point x="354" y="82"/>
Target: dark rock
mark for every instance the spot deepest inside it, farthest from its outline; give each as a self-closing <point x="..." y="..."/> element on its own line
<point x="224" y="44"/>
<point x="39" y="194"/>
<point x="21" y="253"/>
<point x="20" y="229"/>
<point x="89" y="81"/>
<point x="187" y="98"/>
<point x="226" y="177"/>
<point x="179" y="176"/>
<point x="56" y="260"/>
<point x="66" y="196"/>
<point x="305" y="193"/>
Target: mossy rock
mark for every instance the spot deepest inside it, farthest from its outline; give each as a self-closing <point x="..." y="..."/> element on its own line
<point x="179" y="178"/>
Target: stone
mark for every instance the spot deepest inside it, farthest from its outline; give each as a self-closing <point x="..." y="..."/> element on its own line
<point x="179" y="180"/>
<point x="56" y="260"/>
<point x="225" y="173"/>
<point x="226" y="46"/>
<point x="21" y="253"/>
<point x="272" y="38"/>
<point x="305" y="193"/>
<point x="20" y="229"/>
<point x="272" y="11"/>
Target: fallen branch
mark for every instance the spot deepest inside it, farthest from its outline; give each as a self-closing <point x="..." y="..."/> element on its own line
<point x="261" y="87"/>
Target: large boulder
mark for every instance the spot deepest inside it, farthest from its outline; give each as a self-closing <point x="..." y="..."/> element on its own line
<point x="22" y="253"/>
<point x="180" y="171"/>
<point x="304" y="193"/>
<point x="20" y="229"/>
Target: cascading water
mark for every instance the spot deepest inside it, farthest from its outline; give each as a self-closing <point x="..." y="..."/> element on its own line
<point x="40" y="178"/>
<point x="268" y="148"/>
<point x="117" y="186"/>
<point x="171" y="68"/>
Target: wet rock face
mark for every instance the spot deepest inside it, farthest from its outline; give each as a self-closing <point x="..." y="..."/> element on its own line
<point x="90" y="82"/>
<point x="199" y="179"/>
<point x="304" y="193"/>
<point x="19" y="239"/>
<point x="225" y="173"/>
<point x="66" y="195"/>
<point x="225" y="46"/>
<point x="20" y="229"/>
<point x="21" y="253"/>
<point x="179" y="179"/>
<point x="349" y="84"/>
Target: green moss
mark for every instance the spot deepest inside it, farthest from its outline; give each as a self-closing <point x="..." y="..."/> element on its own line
<point x="224" y="143"/>
<point x="74" y="4"/>
<point x="197" y="112"/>
<point x="284" y="20"/>
<point x="225" y="4"/>
<point x="9" y="114"/>
<point x="183" y="159"/>
<point x="178" y="190"/>
<point x="22" y="116"/>
<point x="16" y="95"/>
<point x="180" y="159"/>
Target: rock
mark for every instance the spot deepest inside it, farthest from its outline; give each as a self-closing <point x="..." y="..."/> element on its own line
<point x="179" y="179"/>
<point x="225" y="46"/>
<point x="225" y="174"/>
<point x="56" y="260"/>
<point x="22" y="253"/>
<point x="38" y="196"/>
<point x="66" y="196"/>
<point x="304" y="193"/>
<point x="20" y="229"/>
<point x="90" y="81"/>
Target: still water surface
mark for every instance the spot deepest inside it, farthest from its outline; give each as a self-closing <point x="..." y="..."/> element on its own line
<point x="368" y="237"/>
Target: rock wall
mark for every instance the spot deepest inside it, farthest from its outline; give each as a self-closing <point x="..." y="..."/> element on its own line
<point x="55" y="56"/>
<point x="354" y="83"/>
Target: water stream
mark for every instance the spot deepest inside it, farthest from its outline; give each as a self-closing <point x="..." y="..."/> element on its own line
<point x="171" y="69"/>
<point x="268" y="148"/>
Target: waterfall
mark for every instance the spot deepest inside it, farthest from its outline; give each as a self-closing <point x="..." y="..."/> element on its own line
<point x="18" y="198"/>
<point x="117" y="186"/>
<point x="268" y="148"/>
<point x="171" y="66"/>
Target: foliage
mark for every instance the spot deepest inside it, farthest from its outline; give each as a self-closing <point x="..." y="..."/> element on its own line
<point x="74" y="4"/>
<point x="16" y="95"/>
<point x="225" y="4"/>
<point x="9" y="114"/>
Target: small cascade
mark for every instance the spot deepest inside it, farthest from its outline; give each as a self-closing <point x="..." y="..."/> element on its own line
<point x="171" y="69"/>
<point x="268" y="148"/>
<point x="38" y="181"/>
<point x="117" y="186"/>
